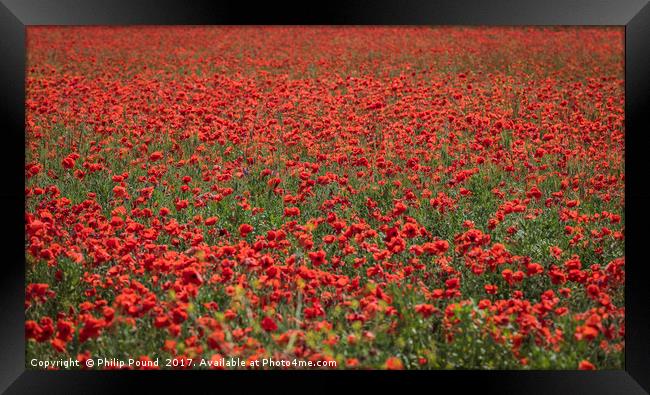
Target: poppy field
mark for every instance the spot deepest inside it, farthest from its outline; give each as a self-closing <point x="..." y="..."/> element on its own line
<point x="372" y="197"/>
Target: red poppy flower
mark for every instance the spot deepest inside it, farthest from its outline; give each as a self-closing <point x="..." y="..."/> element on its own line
<point x="586" y="365"/>
<point x="245" y="229"/>
<point x="394" y="363"/>
<point x="269" y="325"/>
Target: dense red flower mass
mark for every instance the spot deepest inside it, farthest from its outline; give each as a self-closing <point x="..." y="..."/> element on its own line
<point x="409" y="197"/>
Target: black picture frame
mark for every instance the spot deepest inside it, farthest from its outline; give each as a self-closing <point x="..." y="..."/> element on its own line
<point x="15" y="15"/>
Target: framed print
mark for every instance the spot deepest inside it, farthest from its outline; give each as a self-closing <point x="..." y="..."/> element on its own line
<point x="391" y="193"/>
